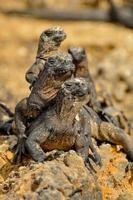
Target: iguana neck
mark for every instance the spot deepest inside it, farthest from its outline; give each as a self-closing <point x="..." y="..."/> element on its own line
<point x="82" y="69"/>
<point x="66" y="110"/>
<point x="46" y="48"/>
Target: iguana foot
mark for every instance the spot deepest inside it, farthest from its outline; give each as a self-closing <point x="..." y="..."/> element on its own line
<point x="97" y="159"/>
<point x="89" y="165"/>
<point x="20" y="151"/>
<point x="35" y="151"/>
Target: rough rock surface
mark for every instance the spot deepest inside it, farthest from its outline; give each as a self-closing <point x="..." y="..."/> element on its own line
<point x="62" y="178"/>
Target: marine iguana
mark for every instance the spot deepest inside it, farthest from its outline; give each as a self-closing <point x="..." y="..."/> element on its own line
<point x="107" y="131"/>
<point x="56" y="127"/>
<point x="49" y="42"/>
<point x="80" y="61"/>
<point x="112" y="132"/>
<point x="57" y="69"/>
<point x="47" y="86"/>
<point x="116" y="139"/>
<point x="104" y="107"/>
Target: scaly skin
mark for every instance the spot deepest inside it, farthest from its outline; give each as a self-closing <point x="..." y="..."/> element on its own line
<point x="49" y="42"/>
<point x="80" y="61"/>
<point x="116" y="117"/>
<point x="113" y="115"/>
<point x="107" y="131"/>
<point x="33" y="109"/>
<point x="38" y="99"/>
<point x="6" y="118"/>
<point x="58" y="68"/>
<point x="107" y="112"/>
<point x="56" y="128"/>
<point x="114" y="122"/>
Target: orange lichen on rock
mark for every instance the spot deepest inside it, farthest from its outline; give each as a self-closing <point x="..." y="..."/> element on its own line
<point x="9" y="155"/>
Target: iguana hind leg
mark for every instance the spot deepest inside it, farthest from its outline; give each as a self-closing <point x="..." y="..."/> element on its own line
<point x="111" y="133"/>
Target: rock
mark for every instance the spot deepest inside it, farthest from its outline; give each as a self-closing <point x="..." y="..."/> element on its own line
<point x="116" y="173"/>
<point x="106" y="154"/>
<point x="7" y="143"/>
<point x="9" y="155"/>
<point x="2" y="162"/>
<point x="125" y="196"/>
<point x="63" y="178"/>
<point x="1" y="179"/>
<point x="4" y="147"/>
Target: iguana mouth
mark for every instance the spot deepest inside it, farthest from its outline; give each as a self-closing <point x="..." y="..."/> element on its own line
<point x="58" y="39"/>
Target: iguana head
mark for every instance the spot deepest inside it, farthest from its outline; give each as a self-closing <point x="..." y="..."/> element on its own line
<point x="56" y="34"/>
<point x="80" y="61"/>
<point x="76" y="89"/>
<point x="78" y="54"/>
<point x="57" y="69"/>
<point x="74" y="93"/>
<point x="49" y="42"/>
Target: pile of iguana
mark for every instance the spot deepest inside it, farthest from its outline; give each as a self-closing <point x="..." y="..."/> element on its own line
<point x="62" y="111"/>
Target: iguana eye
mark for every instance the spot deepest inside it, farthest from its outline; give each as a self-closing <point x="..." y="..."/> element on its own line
<point x="60" y="32"/>
<point x="49" y="33"/>
<point x="81" y="94"/>
<point x="68" y="84"/>
<point x="51" y="60"/>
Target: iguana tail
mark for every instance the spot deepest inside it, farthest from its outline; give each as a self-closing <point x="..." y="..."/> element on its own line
<point x="6" y="109"/>
<point x="6" y="125"/>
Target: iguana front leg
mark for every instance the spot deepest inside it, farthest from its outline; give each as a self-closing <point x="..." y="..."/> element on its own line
<point x="36" y="137"/>
<point x="33" y="73"/>
<point x="83" y="140"/>
<point x="20" y="123"/>
<point x="24" y="115"/>
<point x="49" y="42"/>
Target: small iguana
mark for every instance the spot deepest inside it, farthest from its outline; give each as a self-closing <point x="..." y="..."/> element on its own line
<point x="49" y="42"/>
